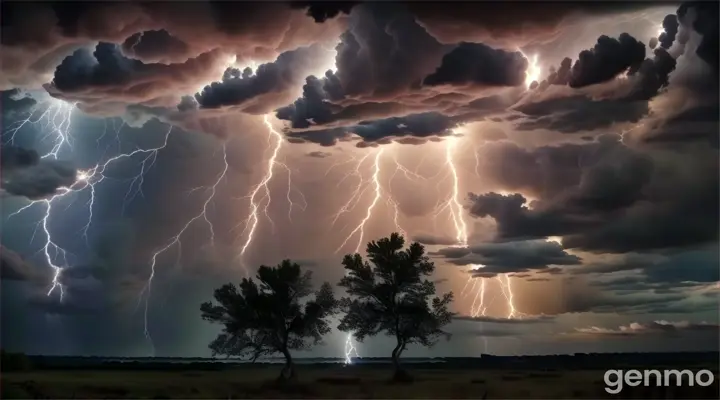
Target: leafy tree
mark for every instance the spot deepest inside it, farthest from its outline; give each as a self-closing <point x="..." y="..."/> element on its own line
<point x="267" y="318"/>
<point x="393" y="296"/>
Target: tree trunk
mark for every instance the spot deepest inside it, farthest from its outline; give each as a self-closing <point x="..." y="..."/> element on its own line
<point x="400" y="374"/>
<point x="288" y="371"/>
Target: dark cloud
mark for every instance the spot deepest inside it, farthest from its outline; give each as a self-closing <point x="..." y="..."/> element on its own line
<point x="425" y="125"/>
<point x="579" y="114"/>
<point x="613" y="199"/>
<point x="613" y="99"/>
<point x="495" y="23"/>
<point x="323" y="10"/>
<point x="652" y="44"/>
<point x="187" y="103"/>
<point x="379" y="90"/>
<point x="106" y="81"/>
<point x="512" y="257"/>
<point x="609" y="58"/>
<point x="560" y="75"/>
<point x="694" y="267"/>
<point x="26" y="174"/>
<point x="37" y="36"/>
<point x="265" y="89"/>
<point x="700" y="123"/>
<point x="12" y="157"/>
<point x="15" y="102"/>
<point x="706" y="24"/>
<point x="14" y="268"/>
<point x="629" y="262"/>
<point x="670" y="26"/>
<point x="384" y="51"/>
<point x="578" y="298"/>
<point x="478" y="64"/>
<point x="381" y="58"/>
<point x="155" y="47"/>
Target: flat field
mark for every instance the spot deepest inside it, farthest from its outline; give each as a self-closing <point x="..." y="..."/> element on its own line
<point x="328" y="381"/>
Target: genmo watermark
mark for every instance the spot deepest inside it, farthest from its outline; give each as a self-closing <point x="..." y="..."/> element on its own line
<point x="616" y="379"/>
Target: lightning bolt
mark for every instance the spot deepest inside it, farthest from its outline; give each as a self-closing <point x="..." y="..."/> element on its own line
<point x="57" y="119"/>
<point x="260" y="195"/>
<point x="176" y="241"/>
<point x="360" y="228"/>
<point x="363" y="185"/>
<point x="54" y="118"/>
<point x="454" y="208"/>
<point x="532" y="74"/>
<point x="508" y="293"/>
<point x="357" y="193"/>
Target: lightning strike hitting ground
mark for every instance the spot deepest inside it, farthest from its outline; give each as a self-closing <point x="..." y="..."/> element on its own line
<point x="350" y="348"/>
<point x="358" y="190"/>
<point x="455" y="210"/>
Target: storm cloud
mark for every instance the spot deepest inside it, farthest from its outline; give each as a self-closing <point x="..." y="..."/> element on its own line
<point x="558" y="161"/>
<point x="26" y="174"/>
<point x="511" y="257"/>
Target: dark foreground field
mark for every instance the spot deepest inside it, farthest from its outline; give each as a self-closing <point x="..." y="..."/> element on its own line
<point x="513" y="380"/>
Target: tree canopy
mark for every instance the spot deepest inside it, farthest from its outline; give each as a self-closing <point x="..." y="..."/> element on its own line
<point x="269" y="317"/>
<point x="391" y="294"/>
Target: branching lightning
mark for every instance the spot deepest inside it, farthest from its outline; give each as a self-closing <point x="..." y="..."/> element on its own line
<point x="260" y="196"/>
<point x="362" y="185"/>
<point x="454" y="208"/>
<point x="175" y="241"/>
<point x="359" y="230"/>
<point x="57" y="116"/>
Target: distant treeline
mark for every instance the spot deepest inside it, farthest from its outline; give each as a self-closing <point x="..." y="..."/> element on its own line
<point x="19" y="361"/>
<point x="14" y="361"/>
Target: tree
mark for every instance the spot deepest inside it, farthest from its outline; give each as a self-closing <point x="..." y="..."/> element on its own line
<point x="268" y="318"/>
<point x="393" y="296"/>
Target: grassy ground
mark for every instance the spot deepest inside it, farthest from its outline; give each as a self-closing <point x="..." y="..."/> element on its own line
<point x="328" y="382"/>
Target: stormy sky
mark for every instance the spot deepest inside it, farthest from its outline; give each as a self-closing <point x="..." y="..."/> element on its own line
<point x="559" y="161"/>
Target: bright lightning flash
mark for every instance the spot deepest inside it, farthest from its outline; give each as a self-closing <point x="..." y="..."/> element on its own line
<point x="373" y="183"/>
<point x="176" y="242"/>
<point x="359" y="230"/>
<point x="55" y="118"/>
<point x="260" y="197"/>
<point x="454" y="208"/>
<point x="532" y="74"/>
